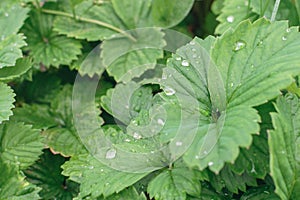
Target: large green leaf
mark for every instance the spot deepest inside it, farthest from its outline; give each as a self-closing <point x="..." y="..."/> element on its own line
<point x="20" y="145"/>
<point x="11" y="19"/>
<point x="284" y="145"/>
<point x="46" y="173"/>
<point x="6" y="102"/>
<point x="225" y="75"/>
<point x="45" y="45"/>
<point x="175" y="183"/>
<point x="14" y="186"/>
<point x="96" y="178"/>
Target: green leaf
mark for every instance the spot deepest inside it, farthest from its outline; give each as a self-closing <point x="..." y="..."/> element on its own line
<point x="127" y="194"/>
<point x="13" y="185"/>
<point x="233" y="182"/>
<point x="6" y="102"/>
<point x="284" y="147"/>
<point x="231" y="71"/>
<point x="235" y="11"/>
<point x="87" y="30"/>
<point x="45" y="45"/>
<point x="96" y="178"/>
<point x="262" y="192"/>
<point x="37" y="115"/>
<point x="232" y="13"/>
<point x="126" y="59"/>
<point x="46" y="173"/>
<point x="21" y="67"/>
<point x="175" y="184"/>
<point x="20" y="144"/>
<point x="11" y="19"/>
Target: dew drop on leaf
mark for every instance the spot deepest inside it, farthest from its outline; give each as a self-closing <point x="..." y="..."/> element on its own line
<point x="6" y="14"/>
<point x="111" y="154"/>
<point x="288" y="30"/>
<point x="185" y="63"/>
<point x="194" y="56"/>
<point x="91" y="167"/>
<point x="239" y="45"/>
<point x="161" y="122"/>
<point x="284" y="38"/>
<point x="192" y="43"/>
<point x="210" y="163"/>
<point x="194" y="50"/>
<point x="178" y="58"/>
<point x="169" y="91"/>
<point x="230" y="19"/>
<point x="178" y="143"/>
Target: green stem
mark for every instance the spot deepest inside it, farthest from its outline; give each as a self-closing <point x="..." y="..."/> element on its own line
<point x="275" y="10"/>
<point x="100" y="23"/>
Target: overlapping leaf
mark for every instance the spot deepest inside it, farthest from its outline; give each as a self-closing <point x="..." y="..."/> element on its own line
<point x="231" y="74"/>
<point x="284" y="147"/>
<point x="6" y="102"/>
<point x="46" y="173"/>
<point x="20" y="145"/>
<point x="45" y="45"/>
<point x="96" y="178"/>
<point x="175" y="184"/>
<point x="14" y="186"/>
<point x="235" y="11"/>
<point x="12" y="17"/>
<point x="21" y="67"/>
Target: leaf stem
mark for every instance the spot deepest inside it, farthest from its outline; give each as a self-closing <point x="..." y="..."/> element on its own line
<point x="275" y="10"/>
<point x="93" y="21"/>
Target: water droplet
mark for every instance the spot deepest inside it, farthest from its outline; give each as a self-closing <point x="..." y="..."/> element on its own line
<point x="288" y="30"/>
<point x="169" y="91"/>
<point x="127" y="140"/>
<point x="185" y="63"/>
<point x="161" y="122"/>
<point x="197" y="157"/>
<point x="178" y="143"/>
<point x="127" y="107"/>
<point x="194" y="56"/>
<point x="91" y="167"/>
<point x="101" y="170"/>
<point x="210" y="163"/>
<point x="15" y="44"/>
<point x="178" y="58"/>
<point x="231" y="84"/>
<point x="205" y="152"/>
<point x="194" y="50"/>
<point x="192" y="42"/>
<point x="6" y="14"/>
<point x="152" y="152"/>
<point x="239" y="45"/>
<point x="252" y="66"/>
<point x="284" y="38"/>
<point x="110" y="154"/>
<point x="136" y="136"/>
<point x="230" y="19"/>
<point x="260" y="43"/>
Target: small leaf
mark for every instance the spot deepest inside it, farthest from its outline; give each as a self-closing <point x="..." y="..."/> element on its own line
<point x="6" y="102"/>
<point x="284" y="147"/>
<point x="20" y="145"/>
<point x="129" y="193"/>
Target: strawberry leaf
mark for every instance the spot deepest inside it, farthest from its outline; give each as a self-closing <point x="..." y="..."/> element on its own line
<point x="284" y="147"/>
<point x="6" y="102"/>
